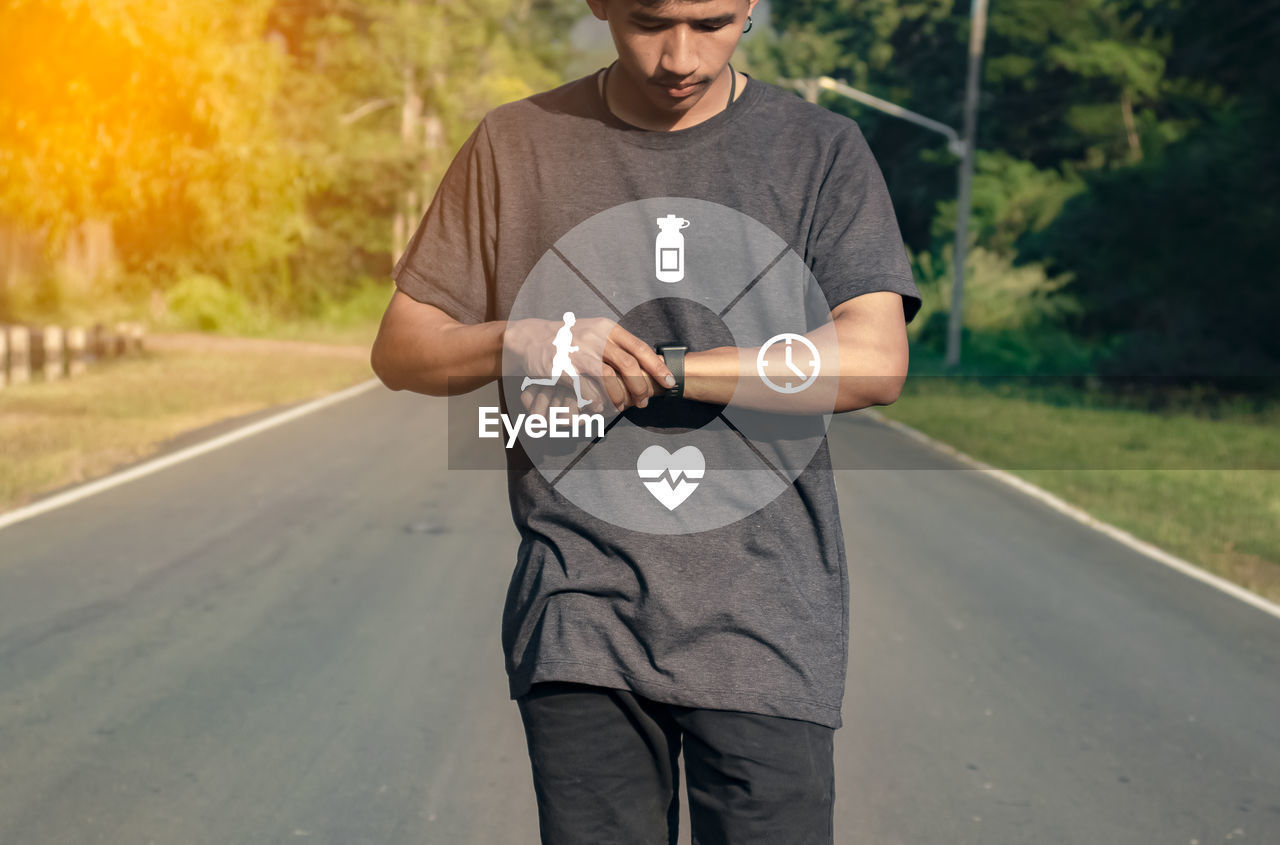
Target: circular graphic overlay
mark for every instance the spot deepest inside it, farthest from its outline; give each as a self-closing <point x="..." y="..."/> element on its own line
<point x="676" y="466"/>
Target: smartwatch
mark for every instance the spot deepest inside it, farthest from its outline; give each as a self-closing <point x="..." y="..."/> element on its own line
<point x="673" y="355"/>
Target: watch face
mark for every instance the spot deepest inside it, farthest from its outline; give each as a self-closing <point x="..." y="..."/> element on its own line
<point x="664" y="469"/>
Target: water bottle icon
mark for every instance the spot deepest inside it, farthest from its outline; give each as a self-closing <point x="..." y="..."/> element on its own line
<point x="668" y="250"/>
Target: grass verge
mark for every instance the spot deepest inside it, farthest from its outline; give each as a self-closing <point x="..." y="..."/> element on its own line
<point x="1205" y="488"/>
<point x="61" y="433"/>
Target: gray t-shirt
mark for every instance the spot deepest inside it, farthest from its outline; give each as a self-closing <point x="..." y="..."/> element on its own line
<point x="750" y="616"/>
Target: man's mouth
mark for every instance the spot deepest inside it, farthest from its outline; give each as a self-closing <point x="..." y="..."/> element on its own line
<point x="676" y="90"/>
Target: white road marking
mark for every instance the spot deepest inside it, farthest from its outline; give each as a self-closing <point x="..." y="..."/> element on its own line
<point x="145" y="468"/>
<point x="1119" y="535"/>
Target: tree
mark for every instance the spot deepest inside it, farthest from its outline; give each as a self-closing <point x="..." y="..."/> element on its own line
<point x="237" y="140"/>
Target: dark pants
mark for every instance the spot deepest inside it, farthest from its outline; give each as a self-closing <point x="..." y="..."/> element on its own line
<point x="605" y="771"/>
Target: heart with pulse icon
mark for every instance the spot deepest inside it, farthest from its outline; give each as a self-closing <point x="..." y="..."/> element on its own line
<point x="671" y="476"/>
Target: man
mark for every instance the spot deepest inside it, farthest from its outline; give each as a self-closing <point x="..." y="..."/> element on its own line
<point x="624" y="645"/>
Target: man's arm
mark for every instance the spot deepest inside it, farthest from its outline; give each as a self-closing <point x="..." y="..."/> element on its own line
<point x="870" y="333"/>
<point x="421" y="348"/>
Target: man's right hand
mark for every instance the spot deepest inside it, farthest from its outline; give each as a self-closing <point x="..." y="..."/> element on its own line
<point x="611" y="361"/>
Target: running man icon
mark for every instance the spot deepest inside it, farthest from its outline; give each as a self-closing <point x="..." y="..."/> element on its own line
<point x="560" y="363"/>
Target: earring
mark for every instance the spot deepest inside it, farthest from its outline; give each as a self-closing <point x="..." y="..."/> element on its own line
<point x="748" y="29"/>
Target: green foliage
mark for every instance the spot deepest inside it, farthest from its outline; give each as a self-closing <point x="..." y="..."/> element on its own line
<point x="1125" y="165"/>
<point x="251" y="158"/>
<point x="365" y="304"/>
<point x="1010" y="197"/>
<point x="219" y="138"/>
<point x="1011" y="315"/>
<point x="356" y="66"/>
<point x="1176" y="257"/>
<point x="1061" y="83"/>
<point x="203" y="303"/>
<point x="801" y="51"/>
<point x="152" y="116"/>
<point x="200" y="302"/>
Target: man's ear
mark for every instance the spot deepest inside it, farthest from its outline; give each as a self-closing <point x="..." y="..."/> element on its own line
<point x="599" y="8"/>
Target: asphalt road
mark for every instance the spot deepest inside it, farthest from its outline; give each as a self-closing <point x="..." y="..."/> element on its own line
<point x="295" y="639"/>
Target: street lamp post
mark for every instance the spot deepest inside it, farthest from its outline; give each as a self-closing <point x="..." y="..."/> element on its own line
<point x="977" y="38"/>
<point x="959" y="145"/>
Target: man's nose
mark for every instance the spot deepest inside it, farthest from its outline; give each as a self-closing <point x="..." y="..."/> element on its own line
<point x="679" y="59"/>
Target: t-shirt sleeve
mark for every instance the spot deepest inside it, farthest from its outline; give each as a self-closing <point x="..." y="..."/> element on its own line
<point x="855" y="244"/>
<point x="449" y="260"/>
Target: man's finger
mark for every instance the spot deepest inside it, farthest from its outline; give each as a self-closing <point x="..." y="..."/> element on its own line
<point x="613" y="386"/>
<point x="603" y="387"/>
<point x="633" y="376"/>
<point x="541" y="403"/>
<point x="649" y="360"/>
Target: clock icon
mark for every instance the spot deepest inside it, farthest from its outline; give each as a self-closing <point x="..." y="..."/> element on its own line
<point x="804" y="362"/>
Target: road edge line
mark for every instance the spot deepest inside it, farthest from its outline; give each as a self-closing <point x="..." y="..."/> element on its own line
<point x="115" y="479"/>
<point x="1084" y="517"/>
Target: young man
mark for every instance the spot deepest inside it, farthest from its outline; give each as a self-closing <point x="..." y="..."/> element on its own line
<point x="722" y="631"/>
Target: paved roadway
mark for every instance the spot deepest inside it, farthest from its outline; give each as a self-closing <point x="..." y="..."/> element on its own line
<point x="294" y="639"/>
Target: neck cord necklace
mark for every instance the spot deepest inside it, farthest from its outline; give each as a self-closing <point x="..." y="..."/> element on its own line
<point x="604" y="87"/>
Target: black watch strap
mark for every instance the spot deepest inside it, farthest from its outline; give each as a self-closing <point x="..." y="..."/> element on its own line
<point x="673" y="355"/>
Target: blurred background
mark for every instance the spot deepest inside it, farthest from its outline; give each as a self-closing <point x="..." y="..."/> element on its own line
<point x="217" y="171"/>
<point x="231" y="166"/>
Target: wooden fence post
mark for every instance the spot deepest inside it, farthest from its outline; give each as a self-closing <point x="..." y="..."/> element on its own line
<point x="53" y="352"/>
<point x="75" y="351"/>
<point x="120" y="340"/>
<point x="35" y="351"/>
<point x="99" y="342"/>
<point x="19" y="355"/>
<point x="54" y="357"/>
